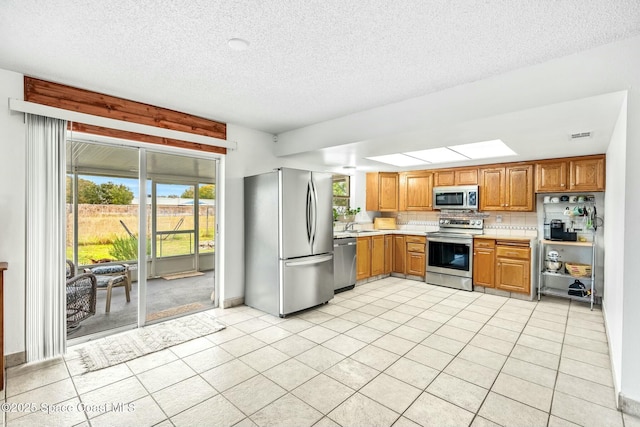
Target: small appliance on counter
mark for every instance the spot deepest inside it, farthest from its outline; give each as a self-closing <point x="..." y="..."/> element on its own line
<point x="557" y="231"/>
<point x="553" y="263"/>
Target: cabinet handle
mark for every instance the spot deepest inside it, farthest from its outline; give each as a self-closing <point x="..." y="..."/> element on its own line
<point x="507" y="204"/>
<point x="561" y="185"/>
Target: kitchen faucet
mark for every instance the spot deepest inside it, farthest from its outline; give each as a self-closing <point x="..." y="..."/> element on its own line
<point x="349" y="226"/>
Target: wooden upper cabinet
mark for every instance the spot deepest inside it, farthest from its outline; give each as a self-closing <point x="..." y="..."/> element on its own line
<point x="382" y="191"/>
<point x="519" y="188"/>
<point x="491" y="187"/>
<point x="551" y="177"/>
<point x="586" y="174"/>
<point x="448" y="177"/>
<point x="571" y="174"/>
<point x="416" y="191"/>
<point x="508" y="188"/>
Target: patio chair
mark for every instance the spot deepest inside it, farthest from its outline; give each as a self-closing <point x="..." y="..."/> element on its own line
<point x="112" y="276"/>
<point x="81" y="297"/>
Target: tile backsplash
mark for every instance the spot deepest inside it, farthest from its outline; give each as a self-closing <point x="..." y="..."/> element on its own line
<point x="496" y="223"/>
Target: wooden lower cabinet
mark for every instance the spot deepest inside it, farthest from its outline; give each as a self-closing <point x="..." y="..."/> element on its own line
<point x="370" y="256"/>
<point x="363" y="257"/>
<point x="513" y="268"/>
<point x="399" y="254"/>
<point x="484" y="262"/>
<point x="415" y="258"/>
<point x="388" y="254"/>
<point x="502" y="264"/>
<point x="377" y="255"/>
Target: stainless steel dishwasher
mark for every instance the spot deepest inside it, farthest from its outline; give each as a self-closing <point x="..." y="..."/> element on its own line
<point x="344" y="263"/>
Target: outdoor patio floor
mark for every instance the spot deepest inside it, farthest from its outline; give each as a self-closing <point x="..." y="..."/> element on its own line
<point x="165" y="298"/>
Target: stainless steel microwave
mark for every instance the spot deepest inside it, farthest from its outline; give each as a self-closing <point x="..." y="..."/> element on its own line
<point x="456" y="197"/>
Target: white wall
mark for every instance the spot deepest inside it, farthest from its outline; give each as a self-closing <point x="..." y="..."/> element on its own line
<point x="614" y="213"/>
<point x="12" y="211"/>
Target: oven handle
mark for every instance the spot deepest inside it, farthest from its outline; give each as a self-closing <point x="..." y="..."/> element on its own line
<point x="463" y="241"/>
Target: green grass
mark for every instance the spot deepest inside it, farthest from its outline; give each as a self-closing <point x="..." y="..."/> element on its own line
<point x="176" y="245"/>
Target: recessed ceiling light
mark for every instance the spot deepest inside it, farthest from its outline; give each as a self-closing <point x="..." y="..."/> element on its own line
<point x="348" y="167"/>
<point x="437" y="155"/>
<point x="484" y="150"/>
<point x="238" y="44"/>
<point x="398" y="160"/>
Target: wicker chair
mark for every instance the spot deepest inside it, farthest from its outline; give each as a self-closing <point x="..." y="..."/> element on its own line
<point x="81" y="297"/>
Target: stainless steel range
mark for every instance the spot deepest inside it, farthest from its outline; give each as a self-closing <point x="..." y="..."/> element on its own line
<point x="450" y="251"/>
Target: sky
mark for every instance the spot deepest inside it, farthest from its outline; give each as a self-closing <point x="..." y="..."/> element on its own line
<point x="163" y="190"/>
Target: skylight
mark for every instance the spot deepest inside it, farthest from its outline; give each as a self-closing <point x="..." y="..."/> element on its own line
<point x="454" y="153"/>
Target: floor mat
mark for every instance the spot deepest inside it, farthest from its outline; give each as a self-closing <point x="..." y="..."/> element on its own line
<point x="174" y="311"/>
<point x="182" y="275"/>
<point x="132" y="344"/>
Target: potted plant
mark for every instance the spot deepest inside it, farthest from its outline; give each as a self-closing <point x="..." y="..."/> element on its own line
<point x="349" y="215"/>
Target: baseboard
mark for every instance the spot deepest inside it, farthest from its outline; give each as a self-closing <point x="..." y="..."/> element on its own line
<point x="616" y="386"/>
<point x="628" y="405"/>
<point x="15" y="359"/>
<point x="232" y="302"/>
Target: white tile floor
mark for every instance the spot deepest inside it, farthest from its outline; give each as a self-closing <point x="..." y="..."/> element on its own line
<point x="390" y="352"/>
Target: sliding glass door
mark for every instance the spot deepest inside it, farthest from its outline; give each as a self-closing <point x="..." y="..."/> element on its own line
<point x="104" y="204"/>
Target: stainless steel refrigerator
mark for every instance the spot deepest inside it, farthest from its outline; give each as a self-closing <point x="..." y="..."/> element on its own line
<point x="288" y="240"/>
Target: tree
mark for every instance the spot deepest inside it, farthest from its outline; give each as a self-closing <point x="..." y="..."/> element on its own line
<point x="115" y="194"/>
<point x="107" y="193"/>
<point x="205" y="192"/>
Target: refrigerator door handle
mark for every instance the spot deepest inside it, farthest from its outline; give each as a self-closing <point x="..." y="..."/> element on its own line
<point x="315" y="260"/>
<point x="314" y="213"/>
<point x="308" y="212"/>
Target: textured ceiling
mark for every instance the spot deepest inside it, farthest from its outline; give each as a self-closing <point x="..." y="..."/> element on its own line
<point x="308" y="61"/>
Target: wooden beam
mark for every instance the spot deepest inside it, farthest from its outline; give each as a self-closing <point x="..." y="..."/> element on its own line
<point x="133" y="136"/>
<point x="97" y="104"/>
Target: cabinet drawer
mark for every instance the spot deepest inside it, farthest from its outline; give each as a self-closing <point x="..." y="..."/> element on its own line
<point x="512" y="252"/>
<point x="416" y="239"/>
<point x="484" y="243"/>
<point x="415" y="247"/>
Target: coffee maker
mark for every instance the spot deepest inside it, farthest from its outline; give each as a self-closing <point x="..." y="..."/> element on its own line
<point x="556" y="228"/>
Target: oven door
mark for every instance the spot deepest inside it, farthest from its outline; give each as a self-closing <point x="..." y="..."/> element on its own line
<point x="450" y="255"/>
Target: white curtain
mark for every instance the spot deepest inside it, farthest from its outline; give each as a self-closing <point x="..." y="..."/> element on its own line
<point x="46" y="293"/>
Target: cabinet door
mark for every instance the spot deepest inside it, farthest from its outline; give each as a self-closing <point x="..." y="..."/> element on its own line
<point x="363" y="257"/>
<point x="416" y="263"/>
<point x="377" y="255"/>
<point x="388" y="191"/>
<point x="388" y="254"/>
<point x="416" y="191"/>
<point x="519" y="188"/>
<point x="444" y="178"/>
<point x="512" y="275"/>
<point x="551" y="177"/>
<point x="484" y="263"/>
<point x="466" y="176"/>
<point x="399" y="254"/>
<point x="372" y="191"/>
<point x="492" y="182"/>
<point x="587" y="174"/>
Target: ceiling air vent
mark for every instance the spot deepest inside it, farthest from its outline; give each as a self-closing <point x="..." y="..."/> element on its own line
<point x="580" y="135"/>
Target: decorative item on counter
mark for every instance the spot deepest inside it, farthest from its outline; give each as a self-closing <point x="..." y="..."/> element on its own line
<point x="347" y="215"/>
<point x="555" y="200"/>
<point x="581" y="199"/>
<point x="573" y="199"/>
<point x="564" y="198"/>
<point x="547" y="199"/>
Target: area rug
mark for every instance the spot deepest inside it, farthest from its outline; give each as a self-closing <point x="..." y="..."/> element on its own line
<point x="182" y="275"/>
<point x="132" y="344"/>
<point x="174" y="311"/>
